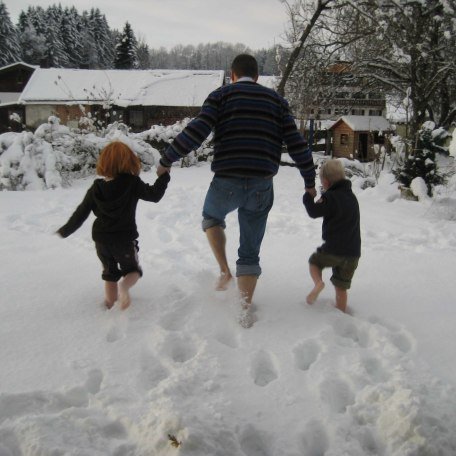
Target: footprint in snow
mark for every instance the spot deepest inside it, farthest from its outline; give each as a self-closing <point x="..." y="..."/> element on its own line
<point x="306" y="353"/>
<point x="227" y="337"/>
<point x="151" y="371"/>
<point x="114" y="334"/>
<point x="177" y="314"/>
<point x="180" y="350"/>
<point x="398" y="337"/>
<point x="337" y="394"/>
<point x="345" y="327"/>
<point x="314" y="440"/>
<point x="94" y="380"/>
<point x="254" y="443"/>
<point x="402" y="341"/>
<point x="263" y="369"/>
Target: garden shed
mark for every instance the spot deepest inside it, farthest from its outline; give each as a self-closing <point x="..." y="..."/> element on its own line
<point x="356" y="136"/>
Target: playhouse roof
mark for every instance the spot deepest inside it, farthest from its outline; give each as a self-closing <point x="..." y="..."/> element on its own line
<point x="364" y="123"/>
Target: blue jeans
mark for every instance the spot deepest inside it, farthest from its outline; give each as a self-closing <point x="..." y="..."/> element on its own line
<point x="253" y="197"/>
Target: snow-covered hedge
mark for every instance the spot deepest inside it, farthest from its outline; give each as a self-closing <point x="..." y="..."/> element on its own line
<point x="54" y="155"/>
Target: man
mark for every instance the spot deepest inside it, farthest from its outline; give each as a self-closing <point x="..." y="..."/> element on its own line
<point x="250" y="124"/>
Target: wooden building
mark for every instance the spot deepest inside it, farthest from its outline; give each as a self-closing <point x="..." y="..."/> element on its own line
<point x="138" y="98"/>
<point x="355" y="136"/>
<point x="13" y="79"/>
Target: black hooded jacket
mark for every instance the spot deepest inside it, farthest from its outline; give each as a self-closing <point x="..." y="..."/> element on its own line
<point x="114" y="204"/>
<point x="340" y="211"/>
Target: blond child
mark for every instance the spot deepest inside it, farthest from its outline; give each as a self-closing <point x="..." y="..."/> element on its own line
<point x="340" y="231"/>
<point x="113" y="200"/>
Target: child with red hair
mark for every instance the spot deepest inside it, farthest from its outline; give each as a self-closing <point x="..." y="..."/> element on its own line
<point x="113" y="200"/>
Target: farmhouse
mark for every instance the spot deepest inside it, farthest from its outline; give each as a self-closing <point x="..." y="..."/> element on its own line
<point x="140" y="98"/>
<point x="355" y="136"/>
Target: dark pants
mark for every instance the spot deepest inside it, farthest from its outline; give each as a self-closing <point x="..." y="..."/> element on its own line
<point x="118" y="259"/>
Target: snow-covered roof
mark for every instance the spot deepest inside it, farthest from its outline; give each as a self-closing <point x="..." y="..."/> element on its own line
<point x="19" y="64"/>
<point x="365" y="123"/>
<point x="121" y="87"/>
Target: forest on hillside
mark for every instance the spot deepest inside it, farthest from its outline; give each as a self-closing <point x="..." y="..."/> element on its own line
<point x="60" y="37"/>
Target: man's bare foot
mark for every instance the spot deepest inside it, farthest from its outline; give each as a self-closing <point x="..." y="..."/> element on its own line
<point x="313" y="295"/>
<point x="223" y="281"/>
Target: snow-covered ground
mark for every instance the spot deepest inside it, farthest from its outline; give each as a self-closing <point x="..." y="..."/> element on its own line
<point x="76" y="379"/>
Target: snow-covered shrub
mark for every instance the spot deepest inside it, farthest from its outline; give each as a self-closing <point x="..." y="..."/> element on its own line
<point x="422" y="162"/>
<point x="160" y="137"/>
<point x="364" y="172"/>
<point x="54" y="155"/>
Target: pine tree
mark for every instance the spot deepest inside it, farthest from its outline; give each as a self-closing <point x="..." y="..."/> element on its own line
<point x="9" y="42"/>
<point x="89" y="50"/>
<point x="71" y="31"/>
<point x="104" y="42"/>
<point x="126" y="50"/>
<point x="56" y="55"/>
<point x="143" y="55"/>
<point x="33" y="45"/>
<point x="422" y="162"/>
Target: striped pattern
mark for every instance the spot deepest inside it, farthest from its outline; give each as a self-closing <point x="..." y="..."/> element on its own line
<point x="251" y="123"/>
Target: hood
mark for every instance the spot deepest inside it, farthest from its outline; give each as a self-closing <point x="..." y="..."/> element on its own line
<point x="111" y="197"/>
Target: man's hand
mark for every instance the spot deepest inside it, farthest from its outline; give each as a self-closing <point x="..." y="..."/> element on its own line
<point x="162" y="170"/>
<point x="312" y="192"/>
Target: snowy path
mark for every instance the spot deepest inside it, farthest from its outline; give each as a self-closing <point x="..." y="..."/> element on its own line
<point x="78" y="380"/>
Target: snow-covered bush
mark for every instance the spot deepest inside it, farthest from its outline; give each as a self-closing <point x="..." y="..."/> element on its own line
<point x="160" y="137"/>
<point x="54" y="155"/>
<point x="422" y="162"/>
<point x="364" y="172"/>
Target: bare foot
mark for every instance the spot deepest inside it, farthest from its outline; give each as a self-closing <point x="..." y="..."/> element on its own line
<point x="223" y="281"/>
<point x="313" y="295"/>
<point x="344" y="309"/>
<point x="124" y="297"/>
<point x="109" y="305"/>
<point x="246" y="317"/>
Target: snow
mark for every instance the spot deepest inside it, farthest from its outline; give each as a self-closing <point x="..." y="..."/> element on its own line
<point x="452" y="147"/>
<point x="122" y="87"/>
<point x="304" y="380"/>
<point x="269" y="81"/>
<point x="419" y="188"/>
<point x="366" y="123"/>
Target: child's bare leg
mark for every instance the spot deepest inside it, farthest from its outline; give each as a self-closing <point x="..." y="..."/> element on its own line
<point x="315" y="274"/>
<point x="341" y="299"/>
<point x="110" y="293"/>
<point x="217" y="241"/>
<point x="124" y="286"/>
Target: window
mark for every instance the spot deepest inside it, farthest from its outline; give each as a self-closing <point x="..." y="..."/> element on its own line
<point x="375" y="112"/>
<point x="357" y="112"/>
<point x="344" y="139"/>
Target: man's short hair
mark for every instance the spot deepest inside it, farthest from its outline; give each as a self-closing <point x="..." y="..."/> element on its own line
<point x="333" y="171"/>
<point x="245" y="65"/>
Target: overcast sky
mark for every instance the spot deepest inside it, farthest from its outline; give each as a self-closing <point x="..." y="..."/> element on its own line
<point x="256" y="23"/>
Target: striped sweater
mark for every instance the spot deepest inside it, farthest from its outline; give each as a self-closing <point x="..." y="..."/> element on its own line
<point x="251" y="123"/>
